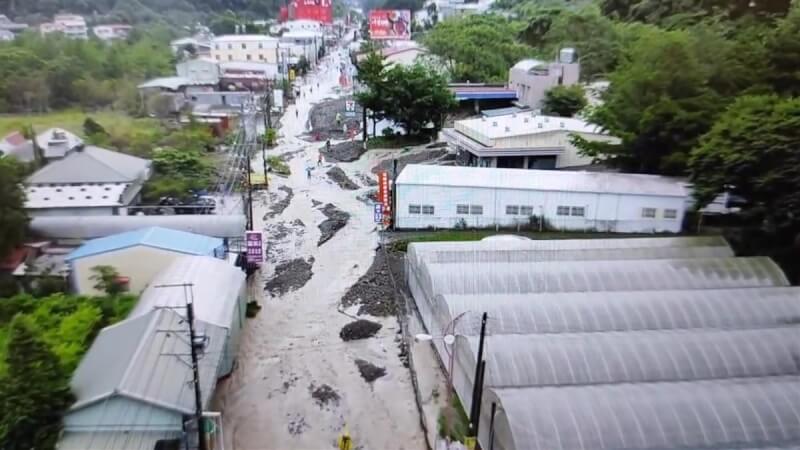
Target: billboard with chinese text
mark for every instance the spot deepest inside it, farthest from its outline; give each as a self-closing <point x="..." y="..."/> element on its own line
<point x="319" y="10"/>
<point x="390" y="24"/>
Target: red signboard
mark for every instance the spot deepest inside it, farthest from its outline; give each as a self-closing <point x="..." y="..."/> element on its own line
<point x="385" y="196"/>
<point x="319" y="10"/>
<point x="390" y="24"/>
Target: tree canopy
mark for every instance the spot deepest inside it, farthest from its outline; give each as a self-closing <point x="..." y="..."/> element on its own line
<point x="564" y="101"/>
<point x="13" y="218"/>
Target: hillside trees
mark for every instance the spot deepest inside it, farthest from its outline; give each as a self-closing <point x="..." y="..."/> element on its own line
<point x="13" y="218"/>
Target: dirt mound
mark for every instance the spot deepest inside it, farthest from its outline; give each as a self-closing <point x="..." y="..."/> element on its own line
<point x="324" y="395"/>
<point x="360" y="329"/>
<point x="374" y="291"/>
<point x="347" y="151"/>
<point x="290" y="276"/>
<point x="323" y="119"/>
<point x="278" y="206"/>
<point x="338" y="176"/>
<point x="369" y="371"/>
<point x="412" y="158"/>
<point x="336" y="220"/>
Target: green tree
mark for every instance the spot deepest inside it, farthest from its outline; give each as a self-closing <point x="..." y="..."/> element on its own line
<point x="564" y="101"/>
<point x="753" y="150"/>
<point x="34" y="393"/>
<point x="13" y="218"/>
<point x="417" y="98"/>
<point x="783" y="50"/>
<point x="478" y="48"/>
<point x="170" y="161"/>
<point x="106" y="279"/>
<point x="302" y="66"/>
<point x="372" y="74"/>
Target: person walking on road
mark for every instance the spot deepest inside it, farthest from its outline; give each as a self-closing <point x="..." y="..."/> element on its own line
<point x="308" y="172"/>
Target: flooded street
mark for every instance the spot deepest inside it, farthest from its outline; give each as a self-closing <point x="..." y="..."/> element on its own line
<point x="298" y="384"/>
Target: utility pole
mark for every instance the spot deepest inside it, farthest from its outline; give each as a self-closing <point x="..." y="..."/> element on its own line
<point x="249" y="191"/>
<point x="477" y="385"/>
<point x="198" y="397"/>
<point x="267" y="127"/>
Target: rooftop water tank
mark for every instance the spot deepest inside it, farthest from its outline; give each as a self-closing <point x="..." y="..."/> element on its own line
<point x="567" y="56"/>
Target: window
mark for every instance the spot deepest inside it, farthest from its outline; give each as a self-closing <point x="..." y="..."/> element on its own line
<point x="249" y="57"/>
<point x="414" y="209"/>
<point x="649" y="213"/>
<point x="562" y="211"/>
<point x="230" y="46"/>
<point x="260" y="45"/>
<point x="579" y="211"/>
<point x="476" y="210"/>
<point x="244" y="46"/>
<point x="216" y="46"/>
<point x="261" y="57"/>
<point x="670" y="213"/>
<point x="230" y="57"/>
<point x="217" y="57"/>
<point x="427" y="209"/>
<point x="512" y="210"/>
<point x="462" y="209"/>
<point x="526" y="210"/>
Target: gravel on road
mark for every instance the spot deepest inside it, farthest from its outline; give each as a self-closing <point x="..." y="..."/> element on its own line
<point x="290" y="276"/>
<point x="337" y="175"/>
<point x="374" y="291"/>
<point x="359" y="329"/>
<point x="369" y="371"/>
<point x="336" y="220"/>
<point x="347" y="151"/>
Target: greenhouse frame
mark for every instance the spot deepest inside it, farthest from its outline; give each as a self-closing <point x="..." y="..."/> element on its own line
<point x="616" y="344"/>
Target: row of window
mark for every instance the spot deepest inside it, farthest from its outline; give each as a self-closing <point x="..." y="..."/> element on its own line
<point x="651" y="213"/>
<point x="527" y="210"/>
<point x="244" y="46"/>
<point x="421" y="209"/>
<point x="248" y="56"/>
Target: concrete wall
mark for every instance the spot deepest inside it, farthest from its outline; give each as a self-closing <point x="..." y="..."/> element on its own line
<point x="199" y="70"/>
<point x="603" y="212"/>
<point x="531" y="88"/>
<point x="141" y="264"/>
<point x="570" y="156"/>
<point x="119" y="413"/>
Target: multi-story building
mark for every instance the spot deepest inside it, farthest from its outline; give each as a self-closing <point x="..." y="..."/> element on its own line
<point x="112" y="32"/>
<point x="531" y="78"/>
<point x="72" y="25"/>
<point x="310" y="41"/>
<point x="245" y="47"/>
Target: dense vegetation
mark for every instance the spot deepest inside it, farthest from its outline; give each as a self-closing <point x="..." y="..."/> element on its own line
<point x="53" y="72"/>
<point x="41" y="343"/>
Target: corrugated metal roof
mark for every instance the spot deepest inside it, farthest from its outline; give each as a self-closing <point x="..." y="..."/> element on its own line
<point x="145" y="359"/>
<point x="541" y="180"/>
<point x="523" y="124"/>
<point x="89" y="227"/>
<point x="216" y="285"/>
<point x="114" y="440"/>
<point x="157" y="237"/>
<point x="91" y="165"/>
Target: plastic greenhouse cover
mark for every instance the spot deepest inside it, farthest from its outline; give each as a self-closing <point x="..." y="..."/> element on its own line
<point x="632" y="357"/>
<point x="732" y="413"/>
<point x="568" y="249"/>
<point x="576" y="312"/>
<point x="588" y="276"/>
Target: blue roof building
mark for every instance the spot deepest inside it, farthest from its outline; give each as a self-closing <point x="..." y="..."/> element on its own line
<point x="138" y="256"/>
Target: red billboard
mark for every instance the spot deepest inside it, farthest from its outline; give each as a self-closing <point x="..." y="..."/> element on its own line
<point x="319" y="10"/>
<point x="390" y="24"/>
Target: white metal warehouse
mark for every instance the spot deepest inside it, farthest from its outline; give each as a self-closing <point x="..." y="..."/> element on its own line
<point x="616" y="343"/>
<point x="431" y="196"/>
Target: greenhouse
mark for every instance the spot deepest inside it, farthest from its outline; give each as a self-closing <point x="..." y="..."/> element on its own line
<point x="490" y="250"/>
<point x="712" y="414"/>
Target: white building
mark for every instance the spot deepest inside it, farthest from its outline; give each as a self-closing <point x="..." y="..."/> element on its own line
<point x="522" y="141"/>
<point x="72" y="25"/>
<point x="532" y="78"/>
<point x="199" y="70"/>
<point x="452" y="197"/>
<point x="112" y="32"/>
<point x="310" y="41"/>
<point x="302" y="25"/>
<point x="245" y="47"/>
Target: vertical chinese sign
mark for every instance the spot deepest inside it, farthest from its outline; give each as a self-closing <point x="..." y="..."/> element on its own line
<point x="255" y="247"/>
<point x="385" y="197"/>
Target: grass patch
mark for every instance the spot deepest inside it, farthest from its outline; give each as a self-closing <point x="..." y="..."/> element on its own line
<point x="278" y="165"/>
<point x="453" y="422"/>
<point x="396" y="141"/>
<point x="116" y="123"/>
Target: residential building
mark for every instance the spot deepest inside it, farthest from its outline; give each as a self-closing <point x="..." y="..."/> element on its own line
<point x="71" y="25"/>
<point x="9" y="25"/>
<point x="245" y="47"/>
<point x="532" y="78"/>
<point x="522" y="141"/>
<point x="199" y="70"/>
<point x="247" y="76"/>
<point x="57" y="143"/>
<point x="134" y="385"/>
<point x="79" y="228"/>
<point x="112" y="32"/>
<point x="218" y="293"/>
<point x="430" y="196"/>
<point x="138" y="256"/>
<point x="200" y="45"/>
<point x="15" y="145"/>
<point x="87" y="181"/>
<point x="301" y="25"/>
<point x="311" y="42"/>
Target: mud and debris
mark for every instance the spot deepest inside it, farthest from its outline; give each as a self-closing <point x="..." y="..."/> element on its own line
<point x="366" y="180"/>
<point x="336" y="220"/>
<point x="324" y="395"/>
<point x="359" y="329"/>
<point x="369" y="372"/>
<point x="347" y="151"/>
<point x="322" y="119"/>
<point x="297" y="424"/>
<point x="374" y="291"/>
<point x="290" y="276"/>
<point x="437" y="156"/>
<point x="315" y="203"/>
<point x="337" y="175"/>
<point x="278" y="202"/>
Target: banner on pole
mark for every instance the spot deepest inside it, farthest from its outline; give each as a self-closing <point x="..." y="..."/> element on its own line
<point x="378" y="213"/>
<point x="385" y="196"/>
<point x="255" y="247"/>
